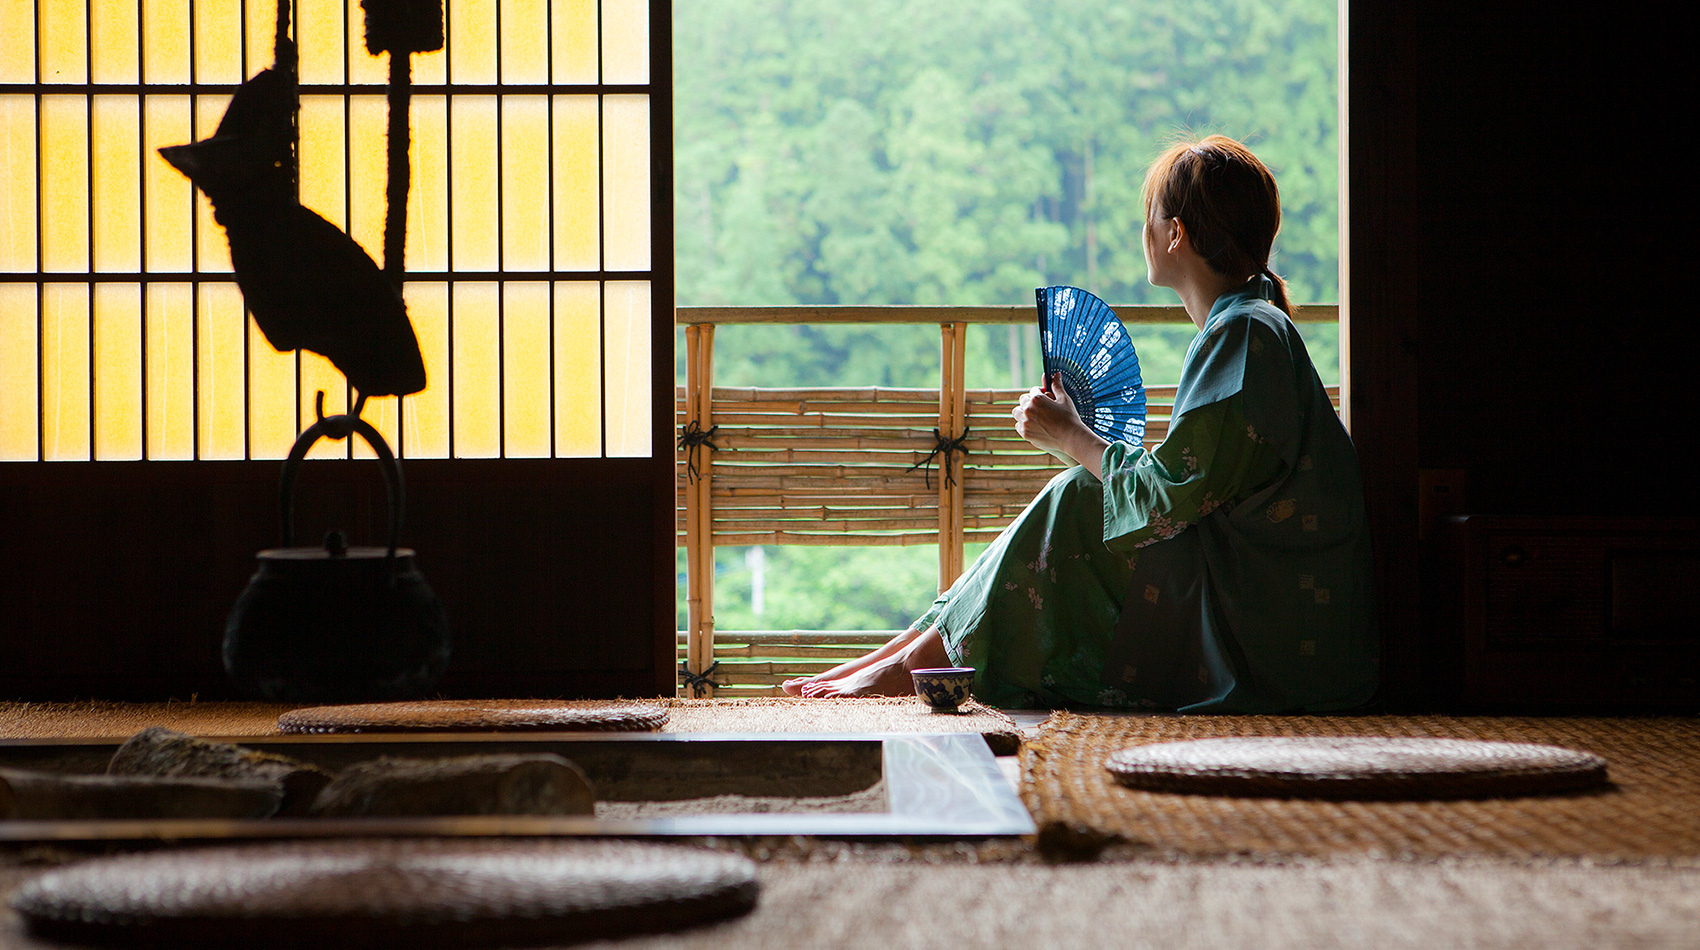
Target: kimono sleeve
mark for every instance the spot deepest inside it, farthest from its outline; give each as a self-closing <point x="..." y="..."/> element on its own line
<point x="1212" y="455"/>
<point x="1211" y="458"/>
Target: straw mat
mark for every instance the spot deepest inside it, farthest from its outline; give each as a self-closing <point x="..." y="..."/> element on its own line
<point x="882" y="715"/>
<point x="763" y="715"/>
<point x="1650" y="808"/>
<point x="1356" y="767"/>
<point x="110" y="720"/>
<point x="476" y="715"/>
<point x="1215" y="906"/>
<point x="387" y="893"/>
<point x="1348" y="903"/>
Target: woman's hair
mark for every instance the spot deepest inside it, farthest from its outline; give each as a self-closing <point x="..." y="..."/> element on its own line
<point x="1228" y="201"/>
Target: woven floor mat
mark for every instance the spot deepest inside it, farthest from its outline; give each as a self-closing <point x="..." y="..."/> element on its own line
<point x="1346" y="903"/>
<point x="387" y="893"/>
<point x="777" y="715"/>
<point x="786" y="714"/>
<point x="110" y="720"/>
<point x="477" y="715"/>
<point x="1651" y="809"/>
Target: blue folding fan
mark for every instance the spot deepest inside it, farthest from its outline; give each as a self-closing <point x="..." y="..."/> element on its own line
<point x="1089" y="351"/>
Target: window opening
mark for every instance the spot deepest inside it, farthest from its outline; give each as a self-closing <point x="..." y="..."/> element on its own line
<point x="910" y="154"/>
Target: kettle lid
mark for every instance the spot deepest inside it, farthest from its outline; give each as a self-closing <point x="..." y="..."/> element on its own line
<point x="352" y="553"/>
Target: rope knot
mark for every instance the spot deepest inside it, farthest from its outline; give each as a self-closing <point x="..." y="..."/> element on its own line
<point x="946" y="447"/>
<point x="691" y="437"/>
<point x="699" y="683"/>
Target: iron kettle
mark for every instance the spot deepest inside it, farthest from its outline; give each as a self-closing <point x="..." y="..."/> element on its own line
<point x="337" y="623"/>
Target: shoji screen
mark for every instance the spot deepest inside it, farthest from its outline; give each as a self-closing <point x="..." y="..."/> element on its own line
<point x="122" y="333"/>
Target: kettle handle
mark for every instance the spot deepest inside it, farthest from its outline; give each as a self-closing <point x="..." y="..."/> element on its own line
<point x="338" y="428"/>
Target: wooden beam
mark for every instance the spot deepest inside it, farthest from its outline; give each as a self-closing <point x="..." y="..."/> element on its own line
<point x="1129" y="314"/>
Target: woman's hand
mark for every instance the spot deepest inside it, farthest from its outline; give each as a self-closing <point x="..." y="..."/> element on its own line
<point x="1050" y="422"/>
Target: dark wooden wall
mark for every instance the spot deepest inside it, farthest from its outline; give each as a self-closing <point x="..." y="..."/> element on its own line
<point x="1521" y="249"/>
<point x="557" y="574"/>
<point x="116" y="578"/>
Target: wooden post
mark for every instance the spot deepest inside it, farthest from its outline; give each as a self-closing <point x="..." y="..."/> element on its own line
<point x="953" y="414"/>
<point x="958" y="460"/>
<point x="693" y="586"/>
<point x="699" y="510"/>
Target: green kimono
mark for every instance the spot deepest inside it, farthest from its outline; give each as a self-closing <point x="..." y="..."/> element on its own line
<point x="1226" y="570"/>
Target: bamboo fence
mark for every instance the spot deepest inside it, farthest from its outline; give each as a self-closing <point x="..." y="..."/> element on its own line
<point x="855" y="465"/>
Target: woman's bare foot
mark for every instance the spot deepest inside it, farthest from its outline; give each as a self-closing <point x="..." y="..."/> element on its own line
<point x="796" y="685"/>
<point x="885" y="678"/>
<point x="888" y="676"/>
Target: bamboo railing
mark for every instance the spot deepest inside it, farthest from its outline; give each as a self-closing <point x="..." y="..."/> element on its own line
<point x="854" y="465"/>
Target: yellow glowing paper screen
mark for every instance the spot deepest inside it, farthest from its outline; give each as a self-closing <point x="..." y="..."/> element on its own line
<point x="528" y="230"/>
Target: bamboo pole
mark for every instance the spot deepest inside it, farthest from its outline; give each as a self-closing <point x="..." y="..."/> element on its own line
<point x="959" y="427"/>
<point x="894" y="470"/>
<point x="797" y="515"/>
<point x="770" y="399"/>
<point x="928" y="535"/>
<point x="733" y="395"/>
<point x="1130" y="314"/>
<point x="952" y="419"/>
<point x="905" y="539"/>
<point x="823" y="461"/>
<point x="693" y="520"/>
<point x="979" y="480"/>
<point x="824" y="454"/>
<point x="849" y="433"/>
<point x="801" y="516"/>
<point x="699" y="546"/>
<point x="705" y="486"/>
<point x="848" y="531"/>
<point x="763" y="423"/>
<point x="896" y="442"/>
<point x="947" y="384"/>
<point x="862" y="638"/>
<point x="735" y="498"/>
<point x="915" y="521"/>
<point x="848" y="404"/>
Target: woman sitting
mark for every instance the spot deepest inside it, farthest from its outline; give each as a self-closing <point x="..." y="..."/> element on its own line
<point x="1226" y="570"/>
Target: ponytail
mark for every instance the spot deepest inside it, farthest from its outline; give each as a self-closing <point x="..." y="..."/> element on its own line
<point x="1278" y="292"/>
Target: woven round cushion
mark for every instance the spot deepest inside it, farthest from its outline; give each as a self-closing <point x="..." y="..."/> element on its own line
<point x="475" y="715"/>
<point x="1359" y="767"/>
<point x="393" y="892"/>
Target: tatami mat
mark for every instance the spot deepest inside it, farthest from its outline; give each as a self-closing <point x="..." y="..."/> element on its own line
<point x="1617" y="868"/>
<point x="1651" y="809"/>
<point x="858" y="902"/>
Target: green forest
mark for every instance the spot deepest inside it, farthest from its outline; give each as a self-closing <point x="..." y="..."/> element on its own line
<point x="910" y="152"/>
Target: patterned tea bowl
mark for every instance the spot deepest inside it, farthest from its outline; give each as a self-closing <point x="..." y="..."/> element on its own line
<point x="944" y="688"/>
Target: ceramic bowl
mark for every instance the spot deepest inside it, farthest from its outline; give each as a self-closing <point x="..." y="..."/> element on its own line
<point x="945" y="688"/>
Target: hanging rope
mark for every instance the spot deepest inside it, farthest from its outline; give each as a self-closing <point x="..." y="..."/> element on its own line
<point x="285" y="62"/>
<point x="699" y="683"/>
<point x="948" y="448"/>
<point x="400" y="28"/>
<point x="691" y="437"/>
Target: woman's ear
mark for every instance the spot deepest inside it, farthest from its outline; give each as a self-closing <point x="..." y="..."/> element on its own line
<point x="1177" y="234"/>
